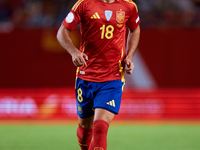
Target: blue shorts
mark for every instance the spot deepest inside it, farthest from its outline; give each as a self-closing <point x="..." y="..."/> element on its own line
<point x="91" y="95"/>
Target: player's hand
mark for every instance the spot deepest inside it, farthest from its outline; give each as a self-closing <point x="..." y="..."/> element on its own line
<point x="130" y="66"/>
<point x="79" y="58"/>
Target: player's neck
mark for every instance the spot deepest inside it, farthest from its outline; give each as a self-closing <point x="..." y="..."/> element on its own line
<point x="108" y="1"/>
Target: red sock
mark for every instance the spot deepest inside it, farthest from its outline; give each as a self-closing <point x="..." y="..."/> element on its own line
<point x="84" y="137"/>
<point x="100" y="129"/>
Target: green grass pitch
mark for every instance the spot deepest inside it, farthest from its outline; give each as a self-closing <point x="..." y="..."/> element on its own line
<point x="120" y="137"/>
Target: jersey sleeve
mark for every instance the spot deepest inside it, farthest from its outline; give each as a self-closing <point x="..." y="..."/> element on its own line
<point x="134" y="19"/>
<point x="74" y="17"/>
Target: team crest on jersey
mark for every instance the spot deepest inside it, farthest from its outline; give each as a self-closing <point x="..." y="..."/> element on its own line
<point x="80" y="110"/>
<point x="120" y="16"/>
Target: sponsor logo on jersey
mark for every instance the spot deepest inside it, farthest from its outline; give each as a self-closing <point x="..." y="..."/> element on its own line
<point x="120" y="16"/>
<point x="95" y="16"/>
<point x="108" y="14"/>
<point x="70" y="17"/>
<point x="111" y="103"/>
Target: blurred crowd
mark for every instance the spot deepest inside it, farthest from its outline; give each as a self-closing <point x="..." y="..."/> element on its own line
<point x="33" y="13"/>
<point x="169" y="13"/>
<point x="50" y="13"/>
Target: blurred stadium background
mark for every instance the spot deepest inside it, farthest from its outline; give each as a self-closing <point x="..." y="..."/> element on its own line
<point x="37" y="76"/>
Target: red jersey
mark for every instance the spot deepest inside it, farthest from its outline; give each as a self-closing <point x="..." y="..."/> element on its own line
<point x="103" y="36"/>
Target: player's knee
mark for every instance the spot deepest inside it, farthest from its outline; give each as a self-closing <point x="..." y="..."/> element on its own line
<point x="100" y="127"/>
<point x="86" y="123"/>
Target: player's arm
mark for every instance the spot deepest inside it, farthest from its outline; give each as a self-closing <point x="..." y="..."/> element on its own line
<point x="132" y="46"/>
<point x="78" y="58"/>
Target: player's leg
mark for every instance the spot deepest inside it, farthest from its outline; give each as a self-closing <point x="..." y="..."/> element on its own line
<point x="84" y="132"/>
<point x="106" y="104"/>
<point x="84" y="100"/>
<point x="86" y="122"/>
<point x="102" y="119"/>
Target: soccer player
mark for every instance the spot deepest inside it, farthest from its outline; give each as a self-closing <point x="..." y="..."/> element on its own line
<point x="100" y="62"/>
